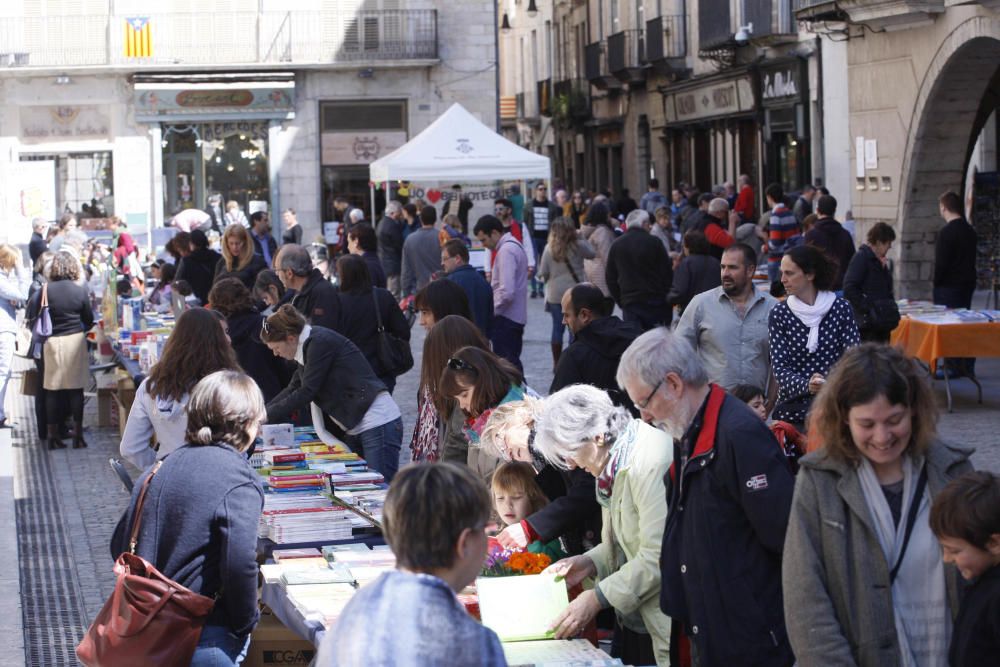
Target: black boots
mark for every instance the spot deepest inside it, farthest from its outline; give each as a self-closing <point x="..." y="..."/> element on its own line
<point x="53" y="440"/>
<point x="78" y="441"/>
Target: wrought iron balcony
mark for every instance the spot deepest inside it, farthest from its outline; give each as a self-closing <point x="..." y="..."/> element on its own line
<point x="715" y="28"/>
<point x="232" y="38"/>
<point x="666" y="44"/>
<point x="596" y="67"/>
<point x="627" y="56"/>
<point x="771" y="20"/>
<point x="571" y="102"/>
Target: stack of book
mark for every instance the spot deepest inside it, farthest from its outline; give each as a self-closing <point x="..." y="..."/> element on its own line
<point x="312" y="524"/>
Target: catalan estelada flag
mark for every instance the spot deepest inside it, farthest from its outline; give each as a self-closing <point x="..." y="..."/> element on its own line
<point x="138" y="37"/>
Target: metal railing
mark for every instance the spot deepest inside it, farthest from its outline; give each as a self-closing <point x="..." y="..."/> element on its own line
<point x="594" y="63"/>
<point x="203" y="38"/>
<point x="626" y="50"/>
<point x="666" y="38"/>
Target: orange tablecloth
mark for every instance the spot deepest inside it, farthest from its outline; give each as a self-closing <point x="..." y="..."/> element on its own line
<point x="930" y="342"/>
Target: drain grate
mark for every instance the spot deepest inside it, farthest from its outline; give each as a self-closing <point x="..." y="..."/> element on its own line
<point x="52" y="609"/>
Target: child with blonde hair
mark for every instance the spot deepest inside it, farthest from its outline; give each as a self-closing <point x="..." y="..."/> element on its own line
<point x="516" y="496"/>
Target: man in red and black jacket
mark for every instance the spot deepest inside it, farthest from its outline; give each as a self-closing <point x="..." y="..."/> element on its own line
<point x="729" y="493"/>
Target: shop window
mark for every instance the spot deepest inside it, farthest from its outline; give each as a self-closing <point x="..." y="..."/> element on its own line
<point x="84" y="182"/>
<point x="229" y="159"/>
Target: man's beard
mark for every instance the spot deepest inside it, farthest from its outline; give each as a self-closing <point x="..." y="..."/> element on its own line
<point x="676" y="424"/>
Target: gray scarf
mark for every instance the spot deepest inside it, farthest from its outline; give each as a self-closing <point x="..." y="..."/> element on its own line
<point x="919" y="596"/>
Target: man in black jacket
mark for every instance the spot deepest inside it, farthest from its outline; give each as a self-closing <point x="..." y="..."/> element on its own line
<point x="390" y="245"/>
<point x="599" y="340"/>
<point x="829" y="236"/>
<point x="197" y="269"/>
<point x="955" y="269"/>
<point x="729" y="493"/>
<point x="38" y="245"/>
<point x="639" y="274"/>
<point x="315" y="296"/>
<point x="264" y="244"/>
<point x="538" y="216"/>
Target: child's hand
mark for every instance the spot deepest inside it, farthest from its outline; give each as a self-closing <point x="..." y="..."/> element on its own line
<point x="513" y="537"/>
<point x="573" y="569"/>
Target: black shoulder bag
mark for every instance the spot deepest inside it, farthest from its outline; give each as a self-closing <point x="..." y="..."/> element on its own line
<point x="911" y="519"/>
<point x="393" y="353"/>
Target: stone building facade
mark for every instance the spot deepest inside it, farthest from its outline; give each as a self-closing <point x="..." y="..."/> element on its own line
<point x="273" y="104"/>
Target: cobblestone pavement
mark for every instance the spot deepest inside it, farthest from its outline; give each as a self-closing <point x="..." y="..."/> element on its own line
<point x="67" y="502"/>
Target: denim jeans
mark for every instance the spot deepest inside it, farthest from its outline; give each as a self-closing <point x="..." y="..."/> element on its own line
<point x="380" y="446"/>
<point x="507" y="337"/>
<point x="558" y="328"/>
<point x="6" y="361"/>
<point x="648" y="315"/>
<point x="218" y="647"/>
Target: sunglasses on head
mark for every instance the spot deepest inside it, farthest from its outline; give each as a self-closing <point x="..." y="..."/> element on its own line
<point x="457" y="364"/>
<point x="264" y="328"/>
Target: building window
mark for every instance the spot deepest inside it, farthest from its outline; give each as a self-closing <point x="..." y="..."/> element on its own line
<point x="84" y="183"/>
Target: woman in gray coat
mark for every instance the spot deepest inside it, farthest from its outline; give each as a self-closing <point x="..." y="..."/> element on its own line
<point x="864" y="582"/>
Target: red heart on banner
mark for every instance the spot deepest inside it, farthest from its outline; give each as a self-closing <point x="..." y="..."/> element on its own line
<point x="433" y="195"/>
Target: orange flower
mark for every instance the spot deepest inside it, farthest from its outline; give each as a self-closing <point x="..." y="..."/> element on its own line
<point x="544" y="560"/>
<point x="518" y="561"/>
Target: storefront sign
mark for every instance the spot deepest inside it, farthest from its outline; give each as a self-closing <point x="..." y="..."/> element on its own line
<point x="249" y="99"/>
<point x="64" y="123"/>
<point x="720" y="99"/>
<point x="256" y="130"/>
<point x="781" y="83"/>
<point x="358" y="147"/>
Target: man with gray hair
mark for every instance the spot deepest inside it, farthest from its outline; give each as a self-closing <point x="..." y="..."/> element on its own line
<point x="639" y="274"/>
<point x="315" y="296"/>
<point x="390" y="245"/>
<point x="711" y="226"/>
<point x="729" y="493"/>
<point x="38" y="245"/>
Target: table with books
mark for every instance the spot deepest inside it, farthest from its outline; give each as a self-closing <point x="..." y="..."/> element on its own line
<point x="321" y="508"/>
<point x="931" y="333"/>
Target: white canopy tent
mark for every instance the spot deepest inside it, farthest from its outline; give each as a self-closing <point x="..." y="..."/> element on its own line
<point x="458" y="148"/>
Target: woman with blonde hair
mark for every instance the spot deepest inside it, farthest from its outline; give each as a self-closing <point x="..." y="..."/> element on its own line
<point x="560" y="268"/>
<point x="238" y="257"/>
<point x="863" y="579"/>
<point x="15" y="279"/>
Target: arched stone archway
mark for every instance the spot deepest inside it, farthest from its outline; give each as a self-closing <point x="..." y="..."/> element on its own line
<point x="958" y="91"/>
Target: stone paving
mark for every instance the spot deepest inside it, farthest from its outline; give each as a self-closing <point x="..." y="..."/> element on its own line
<point x="79" y="499"/>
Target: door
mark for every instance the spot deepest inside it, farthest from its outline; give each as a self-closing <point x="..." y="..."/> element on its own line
<point x="184" y="186"/>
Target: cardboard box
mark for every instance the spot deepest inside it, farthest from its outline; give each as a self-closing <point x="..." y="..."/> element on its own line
<point x="274" y="645"/>
<point x="124" y="397"/>
<point x="107" y="408"/>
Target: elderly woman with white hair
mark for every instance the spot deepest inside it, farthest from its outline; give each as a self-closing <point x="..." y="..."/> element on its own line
<point x="579" y="427"/>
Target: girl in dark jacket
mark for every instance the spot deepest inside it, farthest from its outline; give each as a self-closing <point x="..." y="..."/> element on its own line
<point x="358" y="301"/>
<point x="869" y="279"/>
<point x="232" y="300"/>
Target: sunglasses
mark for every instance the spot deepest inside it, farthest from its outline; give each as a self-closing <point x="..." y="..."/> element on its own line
<point x="457" y="364"/>
<point x="264" y="328"/>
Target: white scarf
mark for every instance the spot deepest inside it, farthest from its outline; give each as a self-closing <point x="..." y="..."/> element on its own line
<point x="919" y="594"/>
<point x="812" y="315"/>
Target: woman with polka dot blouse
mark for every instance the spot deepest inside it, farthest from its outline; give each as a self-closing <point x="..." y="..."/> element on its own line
<point x="808" y="332"/>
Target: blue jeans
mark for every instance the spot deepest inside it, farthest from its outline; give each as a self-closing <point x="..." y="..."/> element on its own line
<point x="648" y="315"/>
<point x="379" y="447"/>
<point x="507" y="337"/>
<point x="218" y="647"/>
<point x="558" y="328"/>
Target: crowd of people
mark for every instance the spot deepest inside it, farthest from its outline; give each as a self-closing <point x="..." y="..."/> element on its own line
<point x="739" y="472"/>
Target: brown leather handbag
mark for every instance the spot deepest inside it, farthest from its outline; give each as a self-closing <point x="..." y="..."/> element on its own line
<point x="149" y="619"/>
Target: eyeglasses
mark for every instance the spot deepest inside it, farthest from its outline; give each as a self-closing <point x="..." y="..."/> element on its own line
<point x="457" y="364"/>
<point x="642" y="404"/>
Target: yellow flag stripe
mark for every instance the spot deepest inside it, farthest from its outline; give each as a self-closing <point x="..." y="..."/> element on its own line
<point x="138" y="43"/>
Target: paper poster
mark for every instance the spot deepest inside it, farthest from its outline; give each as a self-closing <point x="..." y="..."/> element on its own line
<point x="871" y="153"/>
<point x="859" y="157"/>
<point x="502" y="607"/>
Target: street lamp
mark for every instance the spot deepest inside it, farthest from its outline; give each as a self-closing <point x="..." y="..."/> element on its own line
<point x="532" y="9"/>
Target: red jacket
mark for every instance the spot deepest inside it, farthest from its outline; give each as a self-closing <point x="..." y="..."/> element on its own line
<point x="744" y="204"/>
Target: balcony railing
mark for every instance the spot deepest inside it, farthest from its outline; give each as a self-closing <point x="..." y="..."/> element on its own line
<point x="771" y="19"/>
<point x="627" y="56"/>
<point x="714" y="24"/>
<point x="596" y="67"/>
<point x="571" y="102"/>
<point x="203" y="38"/>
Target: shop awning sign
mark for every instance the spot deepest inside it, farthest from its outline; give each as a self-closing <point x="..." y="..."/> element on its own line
<point x="204" y="101"/>
<point x="710" y="101"/>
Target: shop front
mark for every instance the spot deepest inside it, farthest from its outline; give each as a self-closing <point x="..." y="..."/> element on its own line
<point x="710" y="131"/>
<point x="353" y="134"/>
<point x="784" y="99"/>
<point x="212" y="136"/>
